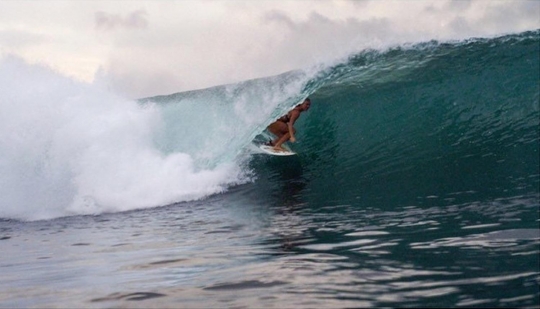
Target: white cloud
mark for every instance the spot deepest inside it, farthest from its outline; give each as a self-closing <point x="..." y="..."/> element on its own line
<point x="157" y="47"/>
<point x="134" y="20"/>
<point x="16" y="38"/>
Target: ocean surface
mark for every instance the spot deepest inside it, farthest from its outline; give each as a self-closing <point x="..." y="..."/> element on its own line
<point x="416" y="184"/>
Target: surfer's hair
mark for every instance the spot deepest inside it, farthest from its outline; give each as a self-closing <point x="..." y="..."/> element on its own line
<point x="306" y="99"/>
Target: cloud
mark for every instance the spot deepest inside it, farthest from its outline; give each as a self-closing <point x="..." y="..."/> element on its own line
<point x="157" y="47"/>
<point x="460" y="25"/>
<point x="15" y="38"/>
<point x="223" y="43"/>
<point x="107" y="22"/>
<point x="502" y="16"/>
<point x="278" y="17"/>
<point x="458" y="5"/>
<point x="320" y="38"/>
<point x="138" y="81"/>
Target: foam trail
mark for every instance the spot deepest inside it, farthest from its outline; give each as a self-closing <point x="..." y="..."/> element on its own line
<point x="73" y="148"/>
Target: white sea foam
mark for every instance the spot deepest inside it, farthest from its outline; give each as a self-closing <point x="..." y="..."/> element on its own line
<point x="73" y="148"/>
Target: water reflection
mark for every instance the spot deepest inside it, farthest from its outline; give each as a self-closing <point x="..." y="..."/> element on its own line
<point x="412" y="255"/>
<point x="283" y="251"/>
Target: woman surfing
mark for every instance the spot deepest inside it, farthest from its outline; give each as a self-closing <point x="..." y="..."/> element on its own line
<point x="283" y="128"/>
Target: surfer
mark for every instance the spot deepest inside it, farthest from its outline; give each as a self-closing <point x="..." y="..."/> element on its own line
<point x="283" y="128"/>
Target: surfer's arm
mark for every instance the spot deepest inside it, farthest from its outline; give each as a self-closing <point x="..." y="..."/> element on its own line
<point x="294" y="116"/>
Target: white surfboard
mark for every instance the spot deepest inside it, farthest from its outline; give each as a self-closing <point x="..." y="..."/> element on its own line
<point x="271" y="151"/>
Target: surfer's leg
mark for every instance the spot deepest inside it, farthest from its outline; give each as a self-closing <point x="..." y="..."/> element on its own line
<point x="279" y="129"/>
<point x="280" y="141"/>
<point x="275" y="140"/>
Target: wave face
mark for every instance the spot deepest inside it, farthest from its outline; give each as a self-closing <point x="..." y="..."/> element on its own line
<point x="426" y="121"/>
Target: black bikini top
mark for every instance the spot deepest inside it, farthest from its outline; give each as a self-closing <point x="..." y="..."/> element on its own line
<point x="284" y="118"/>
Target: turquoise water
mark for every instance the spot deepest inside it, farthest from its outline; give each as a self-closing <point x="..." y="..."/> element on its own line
<point x="416" y="185"/>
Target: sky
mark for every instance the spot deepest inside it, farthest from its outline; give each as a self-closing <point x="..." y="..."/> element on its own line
<point x="146" y="48"/>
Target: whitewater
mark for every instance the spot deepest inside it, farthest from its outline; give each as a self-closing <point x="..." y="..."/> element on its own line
<point x="416" y="185"/>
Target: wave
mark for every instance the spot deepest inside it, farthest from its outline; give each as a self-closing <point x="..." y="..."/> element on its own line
<point x="68" y="148"/>
<point x="430" y="120"/>
<point x="466" y="111"/>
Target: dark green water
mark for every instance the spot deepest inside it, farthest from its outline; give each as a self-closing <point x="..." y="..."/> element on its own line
<point x="416" y="185"/>
<point x="441" y="156"/>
